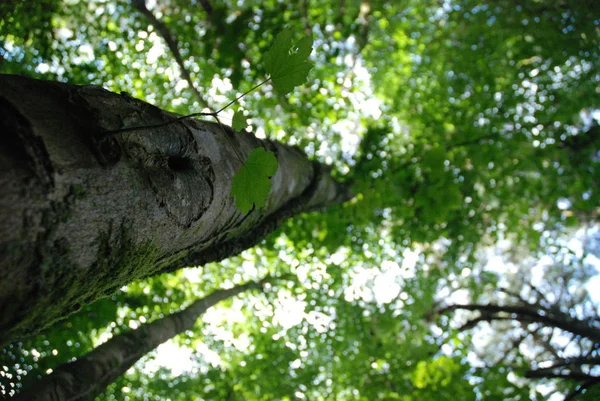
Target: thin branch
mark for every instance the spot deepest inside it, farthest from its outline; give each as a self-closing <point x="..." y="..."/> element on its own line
<point x="241" y="160"/>
<point x="514" y="346"/>
<point x="304" y="6"/>
<point x="540" y="294"/>
<point x="571" y="396"/>
<point x="546" y="343"/>
<point x="363" y="17"/>
<point x="171" y="41"/>
<point x="207" y="7"/>
<point x="512" y="294"/>
<point x="342" y="7"/>
<point x="592" y="350"/>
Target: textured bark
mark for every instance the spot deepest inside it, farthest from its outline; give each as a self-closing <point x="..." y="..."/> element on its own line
<point x="82" y="214"/>
<point x="89" y="375"/>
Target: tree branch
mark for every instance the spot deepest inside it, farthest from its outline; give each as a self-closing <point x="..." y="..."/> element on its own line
<point x="304" y="10"/>
<point x="483" y="318"/>
<point x="571" y="362"/>
<point x="514" y="346"/>
<point x="207" y="7"/>
<point x="513" y="294"/>
<point x="539" y="293"/>
<point x="571" y="396"/>
<point x="171" y="41"/>
<point x="576" y="376"/>
<point x="546" y="343"/>
<point x="89" y="375"/>
<point x="530" y="314"/>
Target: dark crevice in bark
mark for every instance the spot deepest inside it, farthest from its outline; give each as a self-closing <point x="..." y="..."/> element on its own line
<point x="24" y="147"/>
<point x="180" y="164"/>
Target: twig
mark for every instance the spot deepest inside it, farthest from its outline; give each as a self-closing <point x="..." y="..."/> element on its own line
<point x="242" y="95"/>
<point x="512" y="294"/>
<point x="304" y="8"/>
<point x="171" y="41"/>
<point x="143" y="127"/>
<point x="214" y="114"/>
<point x="207" y="7"/>
<point x="571" y="396"/>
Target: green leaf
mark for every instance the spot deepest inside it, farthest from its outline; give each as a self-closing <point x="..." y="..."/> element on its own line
<point x="251" y="184"/>
<point x="287" y="63"/>
<point x="238" y="122"/>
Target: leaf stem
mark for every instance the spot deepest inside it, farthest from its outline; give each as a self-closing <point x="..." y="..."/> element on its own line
<point x="242" y="95"/>
<point x="227" y="135"/>
<point x="141" y="127"/>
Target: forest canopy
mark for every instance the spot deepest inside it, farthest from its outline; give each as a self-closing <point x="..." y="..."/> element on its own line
<point x="462" y="261"/>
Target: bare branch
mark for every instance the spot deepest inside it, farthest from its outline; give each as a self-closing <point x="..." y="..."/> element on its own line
<point x="304" y="9"/>
<point x="513" y="294"/>
<point x="576" y="376"/>
<point x="546" y="343"/>
<point x="571" y="396"/>
<point x="514" y="346"/>
<point x="530" y="313"/>
<point x="207" y="7"/>
<point x="171" y="41"/>
<point x="539" y="293"/>
<point x="573" y="362"/>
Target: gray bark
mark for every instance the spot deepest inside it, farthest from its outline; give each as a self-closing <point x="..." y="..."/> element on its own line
<point x="89" y="375"/>
<point x="82" y="214"/>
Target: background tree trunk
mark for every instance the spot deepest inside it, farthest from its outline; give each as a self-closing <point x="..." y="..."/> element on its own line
<point x="89" y="375"/>
<point x="82" y="214"/>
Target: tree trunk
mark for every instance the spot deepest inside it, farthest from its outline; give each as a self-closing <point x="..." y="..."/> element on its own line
<point x="89" y="375"/>
<point x="82" y="213"/>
